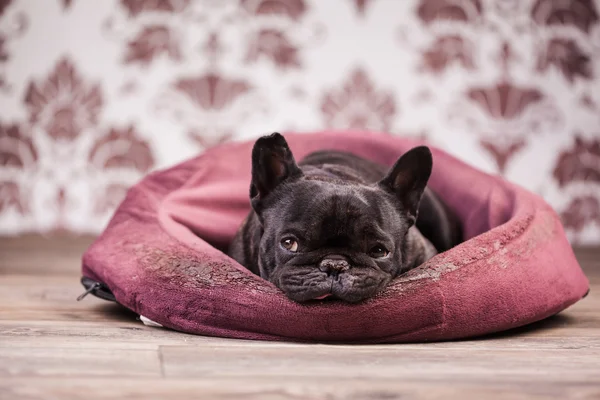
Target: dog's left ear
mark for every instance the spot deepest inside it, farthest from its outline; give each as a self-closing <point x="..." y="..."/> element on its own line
<point x="272" y="164"/>
<point x="408" y="178"/>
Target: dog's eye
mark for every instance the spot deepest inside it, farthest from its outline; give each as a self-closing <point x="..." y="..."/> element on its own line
<point x="378" y="252"/>
<point x="290" y="245"/>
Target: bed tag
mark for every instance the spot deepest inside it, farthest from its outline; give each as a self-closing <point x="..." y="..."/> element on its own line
<point x="149" y="322"/>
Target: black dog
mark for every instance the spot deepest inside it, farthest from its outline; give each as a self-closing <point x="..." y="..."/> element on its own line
<point x="338" y="225"/>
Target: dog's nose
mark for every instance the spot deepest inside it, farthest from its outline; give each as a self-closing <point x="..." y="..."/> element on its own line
<point x="334" y="264"/>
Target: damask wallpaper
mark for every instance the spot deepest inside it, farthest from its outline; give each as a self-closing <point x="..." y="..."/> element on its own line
<point x="94" y="94"/>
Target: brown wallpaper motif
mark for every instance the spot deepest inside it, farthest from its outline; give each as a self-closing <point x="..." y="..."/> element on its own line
<point x="511" y="86"/>
<point x="358" y="105"/>
<point x="62" y="142"/>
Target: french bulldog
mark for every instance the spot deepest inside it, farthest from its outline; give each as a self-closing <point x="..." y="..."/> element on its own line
<point x="339" y="226"/>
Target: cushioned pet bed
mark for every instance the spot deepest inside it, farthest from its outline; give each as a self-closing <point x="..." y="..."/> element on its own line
<point x="162" y="257"/>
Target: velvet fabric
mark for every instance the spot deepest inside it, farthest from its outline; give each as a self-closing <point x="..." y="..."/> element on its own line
<point x="162" y="256"/>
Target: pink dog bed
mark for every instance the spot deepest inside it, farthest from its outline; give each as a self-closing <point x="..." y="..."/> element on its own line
<point x="161" y="256"/>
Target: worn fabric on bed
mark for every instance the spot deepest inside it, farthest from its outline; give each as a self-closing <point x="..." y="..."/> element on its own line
<point x="161" y="256"/>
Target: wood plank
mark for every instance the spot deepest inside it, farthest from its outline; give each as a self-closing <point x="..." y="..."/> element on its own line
<point x="100" y="335"/>
<point x="395" y="362"/>
<point x="297" y="388"/>
<point x="43" y="255"/>
<point x="29" y="297"/>
<point x="66" y="362"/>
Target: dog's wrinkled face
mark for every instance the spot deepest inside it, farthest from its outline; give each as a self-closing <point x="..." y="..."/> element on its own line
<point x="323" y="236"/>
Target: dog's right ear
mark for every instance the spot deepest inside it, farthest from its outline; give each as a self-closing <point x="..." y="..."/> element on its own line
<point x="272" y="164"/>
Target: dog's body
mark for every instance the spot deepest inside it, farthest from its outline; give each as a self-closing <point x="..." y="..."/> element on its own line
<point x="336" y="224"/>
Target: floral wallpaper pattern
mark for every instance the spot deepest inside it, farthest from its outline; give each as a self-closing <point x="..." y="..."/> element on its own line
<point x="94" y="94"/>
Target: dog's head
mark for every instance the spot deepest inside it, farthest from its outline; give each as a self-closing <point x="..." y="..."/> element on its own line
<point x="326" y="237"/>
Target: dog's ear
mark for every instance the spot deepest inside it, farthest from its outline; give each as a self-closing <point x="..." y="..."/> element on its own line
<point x="408" y="178"/>
<point x="272" y="164"/>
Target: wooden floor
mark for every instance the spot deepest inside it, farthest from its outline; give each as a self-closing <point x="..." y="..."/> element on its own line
<point x="52" y="347"/>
